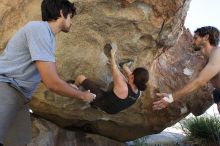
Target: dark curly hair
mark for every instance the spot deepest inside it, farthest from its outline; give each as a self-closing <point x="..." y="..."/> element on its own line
<point x="50" y="9"/>
<point x="141" y="77"/>
<point x="211" y="31"/>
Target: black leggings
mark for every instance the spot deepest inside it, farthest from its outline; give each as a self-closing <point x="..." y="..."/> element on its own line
<point x="94" y="88"/>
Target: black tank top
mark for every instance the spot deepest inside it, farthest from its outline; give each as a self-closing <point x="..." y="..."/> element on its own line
<point x="112" y="104"/>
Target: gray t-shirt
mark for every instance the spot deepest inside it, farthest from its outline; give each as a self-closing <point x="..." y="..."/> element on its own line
<point x="35" y="41"/>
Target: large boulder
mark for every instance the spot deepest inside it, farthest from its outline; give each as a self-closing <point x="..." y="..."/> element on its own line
<point x="150" y="32"/>
<point x="45" y="133"/>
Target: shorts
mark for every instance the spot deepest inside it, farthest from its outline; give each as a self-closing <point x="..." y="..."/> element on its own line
<point x="216" y="96"/>
<point x="15" y="123"/>
<point x="95" y="89"/>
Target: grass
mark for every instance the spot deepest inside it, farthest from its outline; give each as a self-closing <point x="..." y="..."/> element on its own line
<point x="140" y="142"/>
<point x="143" y="142"/>
<point x="203" y="131"/>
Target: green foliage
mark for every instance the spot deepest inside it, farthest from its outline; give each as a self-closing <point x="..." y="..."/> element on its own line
<point x="140" y="142"/>
<point x="203" y="130"/>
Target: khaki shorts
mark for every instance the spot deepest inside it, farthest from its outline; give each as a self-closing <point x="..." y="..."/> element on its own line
<point x="15" y="123"/>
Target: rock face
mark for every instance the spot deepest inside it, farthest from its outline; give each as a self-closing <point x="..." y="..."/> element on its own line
<point x="150" y="32"/>
<point x="48" y="134"/>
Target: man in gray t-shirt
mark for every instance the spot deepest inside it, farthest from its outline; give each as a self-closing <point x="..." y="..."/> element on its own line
<point x="29" y="58"/>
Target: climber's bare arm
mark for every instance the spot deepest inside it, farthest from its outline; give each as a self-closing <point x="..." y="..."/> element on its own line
<point x="120" y="86"/>
<point x="127" y="70"/>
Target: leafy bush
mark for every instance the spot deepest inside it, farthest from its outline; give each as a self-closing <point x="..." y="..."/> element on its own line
<point x="203" y="130"/>
<point x="140" y="142"/>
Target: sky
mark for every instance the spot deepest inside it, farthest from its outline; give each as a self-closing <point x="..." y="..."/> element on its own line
<point x="204" y="13"/>
<point x="201" y="13"/>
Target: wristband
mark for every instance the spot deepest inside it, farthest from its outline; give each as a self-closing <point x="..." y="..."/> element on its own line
<point x="169" y="99"/>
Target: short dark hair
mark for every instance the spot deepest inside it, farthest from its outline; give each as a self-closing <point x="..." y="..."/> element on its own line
<point x="141" y="77"/>
<point x="211" y="31"/>
<point x="50" y="9"/>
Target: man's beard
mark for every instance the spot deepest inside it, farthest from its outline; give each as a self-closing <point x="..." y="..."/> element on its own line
<point x="195" y="48"/>
<point x="66" y="29"/>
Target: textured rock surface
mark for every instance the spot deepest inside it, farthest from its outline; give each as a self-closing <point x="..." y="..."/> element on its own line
<point x="48" y="134"/>
<point x="145" y="30"/>
<point x="14" y="14"/>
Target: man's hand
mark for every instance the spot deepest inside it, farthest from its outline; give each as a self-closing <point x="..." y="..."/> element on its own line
<point x="88" y="97"/>
<point x="162" y="103"/>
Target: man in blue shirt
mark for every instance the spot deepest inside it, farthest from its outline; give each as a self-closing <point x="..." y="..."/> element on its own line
<point x="29" y="58"/>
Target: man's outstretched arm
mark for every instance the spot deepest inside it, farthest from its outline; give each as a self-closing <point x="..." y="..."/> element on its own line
<point x="53" y="82"/>
<point x="208" y="72"/>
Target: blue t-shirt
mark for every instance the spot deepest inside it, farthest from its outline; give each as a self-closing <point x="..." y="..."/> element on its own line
<point x="35" y="41"/>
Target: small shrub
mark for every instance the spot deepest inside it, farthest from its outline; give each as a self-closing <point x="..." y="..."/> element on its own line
<point x="140" y="142"/>
<point x="203" y="130"/>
